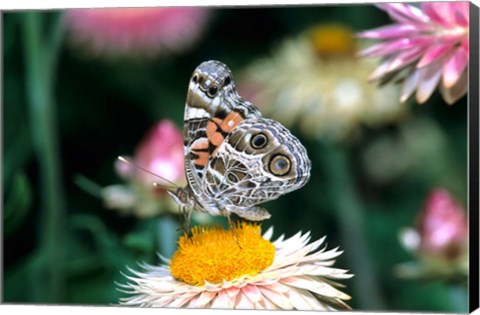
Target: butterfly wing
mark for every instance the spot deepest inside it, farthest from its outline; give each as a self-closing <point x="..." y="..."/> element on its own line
<point x="213" y="109"/>
<point x="235" y="159"/>
<point x="260" y="160"/>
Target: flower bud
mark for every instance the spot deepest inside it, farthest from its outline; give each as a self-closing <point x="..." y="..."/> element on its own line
<point x="442" y="225"/>
<point x="161" y="152"/>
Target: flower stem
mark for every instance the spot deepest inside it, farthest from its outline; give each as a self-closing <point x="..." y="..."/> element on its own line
<point x="40" y="66"/>
<point x="351" y="221"/>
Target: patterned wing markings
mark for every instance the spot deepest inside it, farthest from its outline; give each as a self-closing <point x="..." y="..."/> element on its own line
<point x="234" y="158"/>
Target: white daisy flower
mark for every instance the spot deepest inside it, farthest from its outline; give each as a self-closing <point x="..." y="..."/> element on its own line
<point x="216" y="268"/>
<point x="316" y="82"/>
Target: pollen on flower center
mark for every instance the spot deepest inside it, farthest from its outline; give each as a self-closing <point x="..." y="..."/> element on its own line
<point x="212" y="254"/>
<point x="332" y="40"/>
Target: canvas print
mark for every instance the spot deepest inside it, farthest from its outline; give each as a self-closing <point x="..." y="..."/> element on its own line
<point x="294" y="158"/>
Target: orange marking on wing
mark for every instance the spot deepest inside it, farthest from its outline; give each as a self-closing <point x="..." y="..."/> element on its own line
<point x="216" y="139"/>
<point x="211" y="128"/>
<point x="202" y="159"/>
<point x="231" y="121"/>
<point x="217" y="120"/>
<point x="200" y="144"/>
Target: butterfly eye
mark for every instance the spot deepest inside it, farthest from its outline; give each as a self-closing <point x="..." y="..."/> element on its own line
<point x="195" y="78"/>
<point x="259" y="141"/>
<point x="212" y="91"/>
<point x="279" y="165"/>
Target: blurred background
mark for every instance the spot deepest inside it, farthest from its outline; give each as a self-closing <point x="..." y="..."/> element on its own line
<point x="82" y="87"/>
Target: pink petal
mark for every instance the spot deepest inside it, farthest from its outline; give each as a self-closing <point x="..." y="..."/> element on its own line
<point x="394" y="46"/>
<point x="433" y="53"/>
<point x="428" y="81"/>
<point x="409" y="85"/>
<point x="404" y="13"/>
<point x="440" y="12"/>
<point x="462" y="13"/>
<point x="454" y="67"/>
<point x="465" y="44"/>
<point x="389" y="32"/>
<point x="403" y="59"/>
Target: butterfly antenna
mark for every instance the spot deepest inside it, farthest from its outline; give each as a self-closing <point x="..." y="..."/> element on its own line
<point x="121" y="158"/>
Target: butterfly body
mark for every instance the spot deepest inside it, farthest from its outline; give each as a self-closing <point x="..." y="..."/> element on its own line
<point x="235" y="159"/>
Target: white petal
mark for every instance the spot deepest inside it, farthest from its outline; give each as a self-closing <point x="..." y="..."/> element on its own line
<point x="279" y="299"/>
<point x="277" y="287"/>
<point x="268" y="234"/>
<point x="178" y="302"/>
<point x="323" y="256"/>
<point x="252" y="292"/>
<point x="267" y="304"/>
<point x="428" y="81"/>
<point x="314" y="286"/>
<point x="232" y="292"/>
<point x="202" y="299"/>
<point x="458" y="90"/>
<point x="409" y="85"/>
<point x="303" y="300"/>
<point x="222" y="301"/>
<point x="243" y="302"/>
<point x="313" y="270"/>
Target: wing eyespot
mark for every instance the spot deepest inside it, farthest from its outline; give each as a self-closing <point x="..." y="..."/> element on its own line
<point x="259" y="141"/>
<point x="279" y="165"/>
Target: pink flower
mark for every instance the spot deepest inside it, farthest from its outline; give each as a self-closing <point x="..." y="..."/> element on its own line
<point x="161" y="152"/>
<point x="442" y="226"/>
<point x="135" y="31"/>
<point x="426" y="47"/>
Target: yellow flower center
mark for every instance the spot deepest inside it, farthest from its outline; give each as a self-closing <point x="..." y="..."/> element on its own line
<point x="212" y="254"/>
<point x="332" y="40"/>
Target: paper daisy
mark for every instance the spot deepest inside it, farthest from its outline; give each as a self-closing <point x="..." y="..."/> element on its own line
<point x="426" y="47"/>
<point x="315" y="81"/>
<point x="212" y="270"/>
<point x="135" y="31"/>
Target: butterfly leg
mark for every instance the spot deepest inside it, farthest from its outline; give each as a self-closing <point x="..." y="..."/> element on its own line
<point x="231" y="225"/>
<point x="185" y="221"/>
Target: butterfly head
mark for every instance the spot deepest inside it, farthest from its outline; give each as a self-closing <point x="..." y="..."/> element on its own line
<point x="210" y="80"/>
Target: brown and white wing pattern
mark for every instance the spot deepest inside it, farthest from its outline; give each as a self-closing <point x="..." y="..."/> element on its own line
<point x="234" y="158"/>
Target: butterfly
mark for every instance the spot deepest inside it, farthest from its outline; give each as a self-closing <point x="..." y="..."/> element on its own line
<point x="235" y="159"/>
